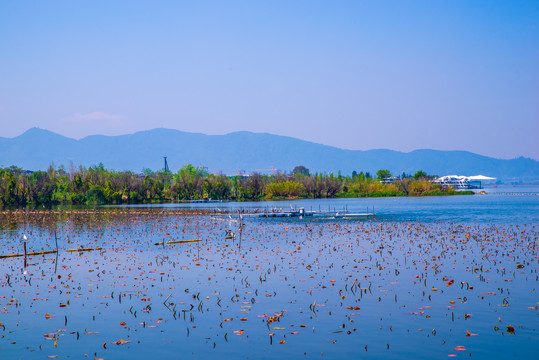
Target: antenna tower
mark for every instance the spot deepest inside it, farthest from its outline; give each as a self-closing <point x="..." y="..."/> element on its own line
<point x="166" y="164"/>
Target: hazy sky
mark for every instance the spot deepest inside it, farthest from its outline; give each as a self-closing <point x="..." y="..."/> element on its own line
<point x="403" y="75"/>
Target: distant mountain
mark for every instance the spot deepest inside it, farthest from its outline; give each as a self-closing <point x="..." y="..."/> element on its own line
<point x="36" y="149"/>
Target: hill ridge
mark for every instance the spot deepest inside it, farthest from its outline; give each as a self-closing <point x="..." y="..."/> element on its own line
<point x="37" y="148"/>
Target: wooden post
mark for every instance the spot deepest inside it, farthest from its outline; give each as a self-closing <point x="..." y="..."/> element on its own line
<point x="56" y="240"/>
<point x="56" y="261"/>
<point x="25" y="254"/>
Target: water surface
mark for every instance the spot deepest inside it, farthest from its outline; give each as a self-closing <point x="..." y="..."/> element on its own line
<point x="426" y="278"/>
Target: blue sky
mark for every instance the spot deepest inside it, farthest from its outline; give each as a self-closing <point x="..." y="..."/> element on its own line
<point x="402" y="75"/>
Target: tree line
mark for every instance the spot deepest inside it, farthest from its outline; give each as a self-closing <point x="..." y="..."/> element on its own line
<point x="98" y="185"/>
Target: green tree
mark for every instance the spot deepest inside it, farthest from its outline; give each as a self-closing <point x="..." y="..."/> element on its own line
<point x="420" y="174"/>
<point x="189" y="183"/>
<point x="254" y="187"/>
<point x="147" y="171"/>
<point x="300" y="169"/>
<point x="42" y="188"/>
<point x="217" y="187"/>
<point x="383" y="174"/>
<point x="332" y="185"/>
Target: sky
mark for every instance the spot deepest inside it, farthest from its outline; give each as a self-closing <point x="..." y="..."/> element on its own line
<point x="360" y="75"/>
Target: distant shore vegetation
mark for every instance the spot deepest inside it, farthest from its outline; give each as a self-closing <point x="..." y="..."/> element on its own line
<point x="98" y="185"/>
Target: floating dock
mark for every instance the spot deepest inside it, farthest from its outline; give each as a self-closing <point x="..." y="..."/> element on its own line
<point x="303" y="213"/>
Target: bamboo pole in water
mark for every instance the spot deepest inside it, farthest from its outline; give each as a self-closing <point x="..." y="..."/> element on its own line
<point x="35" y="253"/>
<point x="178" y="242"/>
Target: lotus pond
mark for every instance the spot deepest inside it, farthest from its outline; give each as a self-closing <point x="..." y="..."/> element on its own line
<point x="283" y="288"/>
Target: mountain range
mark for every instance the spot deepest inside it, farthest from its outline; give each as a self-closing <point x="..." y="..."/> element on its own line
<point x="36" y="149"/>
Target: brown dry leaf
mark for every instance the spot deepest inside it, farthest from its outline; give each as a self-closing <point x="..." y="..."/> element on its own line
<point x="120" y="342"/>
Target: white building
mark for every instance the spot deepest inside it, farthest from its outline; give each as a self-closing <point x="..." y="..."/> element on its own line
<point x="462" y="182"/>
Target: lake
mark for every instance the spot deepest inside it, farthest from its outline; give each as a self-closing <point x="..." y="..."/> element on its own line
<point x="425" y="278"/>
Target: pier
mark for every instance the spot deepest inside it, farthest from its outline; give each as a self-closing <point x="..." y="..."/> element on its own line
<point x="301" y="213"/>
